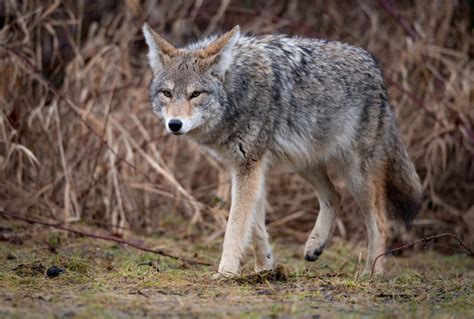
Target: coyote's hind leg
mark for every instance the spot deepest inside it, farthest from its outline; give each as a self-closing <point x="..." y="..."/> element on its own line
<point x="368" y="189"/>
<point x="329" y="201"/>
<point x="376" y="221"/>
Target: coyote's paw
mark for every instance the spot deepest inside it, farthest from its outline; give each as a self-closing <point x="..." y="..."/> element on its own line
<point x="313" y="250"/>
<point x="264" y="264"/>
<point x="259" y="269"/>
<point x="223" y="275"/>
<point x="229" y="266"/>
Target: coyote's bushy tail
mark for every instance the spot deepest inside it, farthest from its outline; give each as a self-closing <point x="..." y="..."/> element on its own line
<point x="404" y="191"/>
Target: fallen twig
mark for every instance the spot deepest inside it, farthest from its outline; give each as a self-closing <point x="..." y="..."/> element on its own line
<point x="103" y="237"/>
<point x="428" y="238"/>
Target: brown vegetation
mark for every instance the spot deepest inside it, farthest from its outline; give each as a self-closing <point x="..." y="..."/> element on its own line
<point x="78" y="141"/>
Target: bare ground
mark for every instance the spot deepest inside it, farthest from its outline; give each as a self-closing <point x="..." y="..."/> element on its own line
<point x="102" y="279"/>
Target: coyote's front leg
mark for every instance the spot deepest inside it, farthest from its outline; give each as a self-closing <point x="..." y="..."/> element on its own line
<point x="247" y="184"/>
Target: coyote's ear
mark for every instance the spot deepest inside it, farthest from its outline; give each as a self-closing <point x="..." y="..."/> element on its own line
<point x="159" y="50"/>
<point x="219" y="54"/>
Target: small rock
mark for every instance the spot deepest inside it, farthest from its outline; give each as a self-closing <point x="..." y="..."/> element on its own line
<point x="6" y="233"/>
<point x="46" y="298"/>
<point x="15" y="240"/>
<point x="10" y="256"/>
<point x="54" y="271"/>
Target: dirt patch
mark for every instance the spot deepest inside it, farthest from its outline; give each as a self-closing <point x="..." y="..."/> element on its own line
<point x="107" y="280"/>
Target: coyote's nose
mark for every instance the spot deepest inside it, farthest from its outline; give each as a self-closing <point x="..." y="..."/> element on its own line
<point x="175" y="125"/>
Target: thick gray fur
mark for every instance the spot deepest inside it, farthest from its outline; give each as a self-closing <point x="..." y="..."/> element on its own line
<point x="304" y="103"/>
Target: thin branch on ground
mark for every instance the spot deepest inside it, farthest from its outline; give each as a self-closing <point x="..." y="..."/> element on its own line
<point x="103" y="237"/>
<point x="428" y="238"/>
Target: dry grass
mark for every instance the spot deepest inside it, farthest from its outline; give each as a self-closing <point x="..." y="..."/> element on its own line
<point x="78" y="141"/>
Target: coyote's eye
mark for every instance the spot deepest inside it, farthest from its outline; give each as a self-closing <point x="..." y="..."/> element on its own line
<point x="195" y="94"/>
<point x="166" y="93"/>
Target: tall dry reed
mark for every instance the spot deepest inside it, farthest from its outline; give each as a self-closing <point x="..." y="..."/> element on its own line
<point x="78" y="141"/>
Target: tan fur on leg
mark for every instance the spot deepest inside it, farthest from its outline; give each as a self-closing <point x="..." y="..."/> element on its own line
<point x="376" y="223"/>
<point x="247" y="184"/>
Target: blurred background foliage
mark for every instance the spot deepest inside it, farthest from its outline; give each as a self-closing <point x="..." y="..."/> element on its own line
<point x="79" y="143"/>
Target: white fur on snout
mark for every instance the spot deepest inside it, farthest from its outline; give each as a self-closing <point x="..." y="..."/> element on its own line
<point x="188" y="123"/>
<point x="185" y="128"/>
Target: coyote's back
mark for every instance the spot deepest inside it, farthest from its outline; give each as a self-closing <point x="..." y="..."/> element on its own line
<point x="255" y="101"/>
<point x="320" y="102"/>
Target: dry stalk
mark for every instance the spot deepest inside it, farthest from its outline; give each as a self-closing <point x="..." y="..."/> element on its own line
<point x="102" y="237"/>
<point x="427" y="238"/>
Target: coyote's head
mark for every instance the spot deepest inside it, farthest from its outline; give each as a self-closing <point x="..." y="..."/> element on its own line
<point x="187" y="90"/>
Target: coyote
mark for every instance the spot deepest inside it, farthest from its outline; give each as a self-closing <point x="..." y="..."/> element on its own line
<point x="255" y="102"/>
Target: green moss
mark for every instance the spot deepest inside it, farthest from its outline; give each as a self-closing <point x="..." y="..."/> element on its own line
<point x="106" y="280"/>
